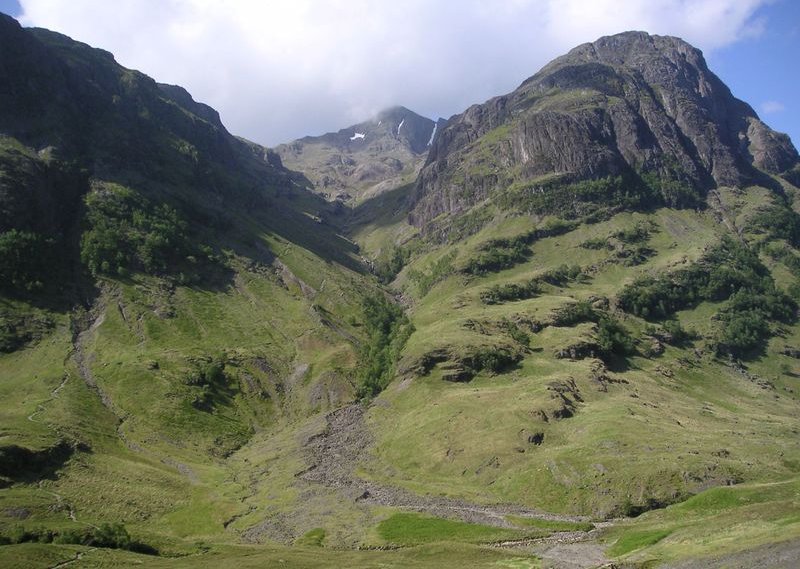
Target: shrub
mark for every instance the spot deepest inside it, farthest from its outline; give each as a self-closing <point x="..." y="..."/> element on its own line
<point x="438" y="271"/>
<point x="388" y="266"/>
<point x="494" y="359"/>
<point x="111" y="536"/>
<point x="574" y="313"/>
<point x="509" y="292"/>
<point x="613" y="339"/>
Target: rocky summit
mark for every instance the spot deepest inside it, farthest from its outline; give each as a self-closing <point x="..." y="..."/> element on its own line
<point x="632" y="104"/>
<point x="363" y="160"/>
<point x="559" y="329"/>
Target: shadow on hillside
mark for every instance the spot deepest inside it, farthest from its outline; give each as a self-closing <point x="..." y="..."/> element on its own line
<point x="382" y="210"/>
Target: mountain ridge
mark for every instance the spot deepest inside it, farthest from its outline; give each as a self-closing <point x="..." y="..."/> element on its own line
<point x="631" y="103"/>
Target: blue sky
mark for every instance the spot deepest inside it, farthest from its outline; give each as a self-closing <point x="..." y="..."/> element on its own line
<point x="283" y="69"/>
<point x="765" y="70"/>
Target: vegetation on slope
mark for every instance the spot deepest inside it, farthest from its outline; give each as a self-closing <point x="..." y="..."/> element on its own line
<point x="728" y="272"/>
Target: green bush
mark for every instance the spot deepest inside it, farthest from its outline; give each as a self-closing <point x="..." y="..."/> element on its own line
<point x="779" y="222"/>
<point x="613" y="339"/>
<point x="574" y="313"/>
<point x="494" y="359"/>
<point x="438" y="271"/>
<point x="498" y="254"/>
<point x="387" y="267"/>
<point x="110" y="536"/>
<point x="509" y="292"/>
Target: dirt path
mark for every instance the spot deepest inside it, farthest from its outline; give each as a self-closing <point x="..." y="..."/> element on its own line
<point x="78" y="556"/>
<point x="334" y="453"/>
<point x="83" y="362"/>
<point x="40" y="408"/>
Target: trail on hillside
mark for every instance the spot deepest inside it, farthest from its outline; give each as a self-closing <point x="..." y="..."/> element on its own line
<point x="83" y="362"/>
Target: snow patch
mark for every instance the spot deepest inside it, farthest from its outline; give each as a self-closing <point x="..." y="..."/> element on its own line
<point x="433" y="133"/>
<point x="357" y="135"/>
<point x="402" y="122"/>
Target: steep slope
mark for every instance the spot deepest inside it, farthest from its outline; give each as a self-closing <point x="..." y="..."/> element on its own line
<point x="641" y="108"/>
<point x="168" y="295"/>
<point x="363" y="160"/>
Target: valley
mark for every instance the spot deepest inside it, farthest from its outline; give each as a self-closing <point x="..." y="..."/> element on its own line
<point x="559" y="329"/>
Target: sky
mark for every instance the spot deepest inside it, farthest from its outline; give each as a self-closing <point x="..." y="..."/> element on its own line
<point x="277" y="70"/>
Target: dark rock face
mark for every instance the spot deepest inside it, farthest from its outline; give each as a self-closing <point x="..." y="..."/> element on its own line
<point x="629" y="103"/>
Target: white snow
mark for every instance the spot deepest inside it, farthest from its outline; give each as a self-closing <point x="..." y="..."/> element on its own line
<point x="402" y="122"/>
<point x="357" y="135"/>
<point x="380" y="123"/>
<point x="433" y="133"/>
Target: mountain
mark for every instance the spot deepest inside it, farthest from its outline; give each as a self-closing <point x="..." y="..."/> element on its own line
<point x="634" y="106"/>
<point x="365" y="159"/>
<point x="570" y="340"/>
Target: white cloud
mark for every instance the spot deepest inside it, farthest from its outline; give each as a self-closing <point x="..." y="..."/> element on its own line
<point x="771" y="107"/>
<point x="281" y="69"/>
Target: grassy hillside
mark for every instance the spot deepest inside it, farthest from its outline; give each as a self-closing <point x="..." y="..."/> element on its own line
<point x="203" y="362"/>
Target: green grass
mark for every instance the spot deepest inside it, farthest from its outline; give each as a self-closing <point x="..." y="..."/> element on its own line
<point x="415" y="529"/>
<point x="634" y="540"/>
<point x="313" y="538"/>
<point x="444" y="556"/>
<point x="664" y="427"/>
<point x="716" y="522"/>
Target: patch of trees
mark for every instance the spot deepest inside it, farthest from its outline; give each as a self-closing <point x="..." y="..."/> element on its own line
<point x="499" y="254"/>
<point x="510" y="292"/>
<point x="672" y="333"/>
<point x="128" y="233"/>
<point x="25" y="258"/>
<point x="628" y="191"/>
<point x="494" y="359"/>
<point x="111" y="536"/>
<point x="387" y="329"/>
<point x="19" y="327"/>
<point x="613" y="340"/>
<point x="578" y="198"/>
<point x="779" y="222"/>
<point x="728" y="272"/>
<point x="574" y="313"/>
<point x="629" y="244"/>
<point x="388" y="267"/>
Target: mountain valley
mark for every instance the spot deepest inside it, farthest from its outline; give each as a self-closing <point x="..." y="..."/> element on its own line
<point x="559" y="329"/>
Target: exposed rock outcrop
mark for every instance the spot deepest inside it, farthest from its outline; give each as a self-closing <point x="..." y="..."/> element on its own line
<point x="631" y="104"/>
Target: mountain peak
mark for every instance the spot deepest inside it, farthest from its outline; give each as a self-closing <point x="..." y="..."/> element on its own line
<point x="364" y="159"/>
<point x="632" y="104"/>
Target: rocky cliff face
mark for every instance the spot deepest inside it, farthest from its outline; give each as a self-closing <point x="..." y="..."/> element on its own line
<point x="632" y="104"/>
<point x="364" y="159"/>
